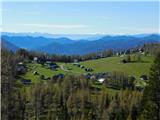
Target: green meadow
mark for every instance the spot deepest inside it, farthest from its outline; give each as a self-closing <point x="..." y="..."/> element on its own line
<point x="109" y="64"/>
<point x="112" y="64"/>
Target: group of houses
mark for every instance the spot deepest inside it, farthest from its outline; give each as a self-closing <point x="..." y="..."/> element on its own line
<point x="83" y="67"/>
<point x="21" y="68"/>
<point x="100" y="77"/>
<point x="51" y="65"/>
<point x="123" y="53"/>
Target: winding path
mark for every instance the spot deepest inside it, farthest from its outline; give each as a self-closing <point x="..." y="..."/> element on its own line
<point x="65" y="69"/>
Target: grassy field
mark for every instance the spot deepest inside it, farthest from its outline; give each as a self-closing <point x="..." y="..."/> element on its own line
<point x="109" y="64"/>
<point x="42" y="70"/>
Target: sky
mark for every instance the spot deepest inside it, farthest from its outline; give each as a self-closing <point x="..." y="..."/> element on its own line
<point x="81" y="17"/>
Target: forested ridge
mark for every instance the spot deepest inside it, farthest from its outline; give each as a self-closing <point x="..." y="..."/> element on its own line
<point x="74" y="97"/>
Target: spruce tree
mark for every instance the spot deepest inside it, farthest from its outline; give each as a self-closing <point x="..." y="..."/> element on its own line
<point x="151" y="98"/>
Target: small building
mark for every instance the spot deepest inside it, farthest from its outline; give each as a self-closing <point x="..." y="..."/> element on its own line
<point x="75" y="61"/>
<point x="101" y="80"/>
<point x="21" y="68"/>
<point x="20" y="64"/>
<point x="59" y="76"/>
<point x="117" y="53"/>
<point x="53" y="66"/>
<point x="78" y="65"/>
<point x="143" y="53"/>
<point x="132" y="78"/>
<point x="121" y="55"/>
<point x="93" y="77"/>
<point x="35" y="73"/>
<point x="48" y="62"/>
<point x="124" y="61"/>
<point x="35" y="59"/>
<point x="140" y="50"/>
<point x="143" y="77"/>
<point x="82" y="66"/>
<point x="88" y="69"/>
<point x="26" y="82"/>
<point x="47" y="78"/>
<point x="88" y="76"/>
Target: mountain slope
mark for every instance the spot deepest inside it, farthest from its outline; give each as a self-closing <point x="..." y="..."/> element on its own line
<point x="7" y="45"/>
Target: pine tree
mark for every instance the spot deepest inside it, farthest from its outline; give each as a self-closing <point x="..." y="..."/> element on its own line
<point x="151" y="98"/>
<point x="128" y="58"/>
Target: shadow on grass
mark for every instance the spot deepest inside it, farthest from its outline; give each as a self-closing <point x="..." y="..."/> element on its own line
<point x="139" y="62"/>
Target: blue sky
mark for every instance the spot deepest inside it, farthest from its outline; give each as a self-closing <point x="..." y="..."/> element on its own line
<point x="81" y="17"/>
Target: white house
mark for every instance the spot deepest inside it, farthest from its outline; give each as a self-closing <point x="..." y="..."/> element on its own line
<point x="101" y="80"/>
<point x="35" y="59"/>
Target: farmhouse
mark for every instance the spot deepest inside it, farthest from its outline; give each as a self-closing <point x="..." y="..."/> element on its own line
<point x="117" y="53"/>
<point x="47" y="78"/>
<point x="75" y="61"/>
<point x="88" y="76"/>
<point x="101" y="80"/>
<point x="92" y="77"/>
<point x="35" y="73"/>
<point x="59" y="76"/>
<point x="20" y="64"/>
<point x="140" y="50"/>
<point x="102" y="75"/>
<point x="35" y="59"/>
<point x="21" y="68"/>
<point x="48" y="62"/>
<point x="81" y="66"/>
<point x="53" y="66"/>
<point x="88" y="69"/>
<point x="98" y="76"/>
<point x="143" y="77"/>
<point x="26" y="81"/>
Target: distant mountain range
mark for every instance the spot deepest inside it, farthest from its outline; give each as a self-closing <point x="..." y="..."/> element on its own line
<point x="29" y="42"/>
<point x="69" y="36"/>
<point x="68" y="46"/>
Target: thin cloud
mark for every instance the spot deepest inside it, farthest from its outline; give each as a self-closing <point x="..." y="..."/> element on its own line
<point x="11" y="11"/>
<point x="55" y="26"/>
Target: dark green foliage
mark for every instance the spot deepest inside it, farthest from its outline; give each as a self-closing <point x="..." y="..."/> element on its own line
<point x="10" y="102"/>
<point x="119" y="80"/>
<point x="128" y="58"/>
<point x="139" y="57"/>
<point x="151" y="98"/>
